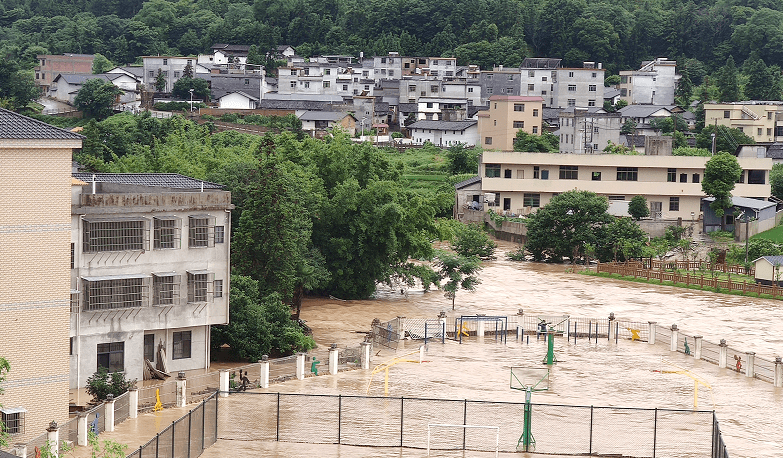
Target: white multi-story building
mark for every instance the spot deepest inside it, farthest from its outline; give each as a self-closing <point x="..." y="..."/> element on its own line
<point x="442" y="109"/>
<point x="653" y="84"/>
<point x="149" y="272"/>
<point x="445" y="133"/>
<point x="172" y="68"/>
<point x="584" y="131"/>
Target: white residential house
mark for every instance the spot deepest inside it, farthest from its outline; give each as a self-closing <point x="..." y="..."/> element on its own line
<point x="445" y="133"/>
<point x="237" y="100"/>
<point x="171" y="67"/>
<point x="442" y="109"/>
<point x="314" y="121"/>
<point x="642" y="115"/>
<point x="149" y="272"/>
<point x="585" y="131"/>
<point x="654" y="83"/>
<point x="66" y="86"/>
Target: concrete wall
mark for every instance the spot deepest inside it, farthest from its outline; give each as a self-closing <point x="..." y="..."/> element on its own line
<point x="34" y="259"/>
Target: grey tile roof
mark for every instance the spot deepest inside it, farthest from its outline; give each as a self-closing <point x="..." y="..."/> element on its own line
<point x="468" y="182"/>
<point x="775" y="151"/>
<point x="80" y="78"/>
<point x="443" y="125"/>
<point x="774" y="260"/>
<point x="164" y="180"/>
<point x="641" y="111"/>
<point x="473" y="109"/>
<point x="13" y="125"/>
<point x="756" y="204"/>
<point x="323" y="116"/>
<point x="243" y="94"/>
<point x="291" y="104"/>
<point x="408" y="107"/>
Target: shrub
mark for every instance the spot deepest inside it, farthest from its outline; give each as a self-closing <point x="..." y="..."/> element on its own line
<point x="102" y="383"/>
<point x="516" y="255"/>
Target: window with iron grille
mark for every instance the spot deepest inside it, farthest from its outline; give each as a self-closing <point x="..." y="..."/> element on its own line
<point x="115" y="235"/>
<point x="112" y="356"/>
<point x="149" y="347"/>
<point x="569" y="172"/>
<point x="220" y="234"/>
<point x="166" y="232"/>
<point x="200" y="286"/>
<point x="201" y="231"/>
<point x="671" y="175"/>
<point x="519" y="124"/>
<point x="492" y="170"/>
<point x="165" y="289"/>
<point x="674" y="204"/>
<point x="218" y="288"/>
<point x="181" y="348"/>
<point x="115" y="293"/>
<point x="531" y="200"/>
<point x="627" y="173"/>
<point x="519" y="107"/>
<point x="13" y="420"/>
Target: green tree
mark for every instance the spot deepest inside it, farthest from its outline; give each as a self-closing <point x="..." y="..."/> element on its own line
<point x="776" y="180"/>
<point x="160" y="81"/>
<point x="612" y="148"/>
<point x="460" y="272"/>
<point x="621" y="238"/>
<point x="17" y="86"/>
<point x="101" y="64"/>
<point x="727" y="139"/>
<point x="728" y="82"/>
<point x="720" y="175"/>
<point x="688" y="151"/>
<point x="462" y="159"/>
<point x="187" y="72"/>
<point x="628" y="127"/>
<point x="684" y="89"/>
<point x="97" y="97"/>
<point x="669" y="124"/>
<point x="471" y="241"/>
<point x="102" y="383"/>
<point x="258" y="324"/>
<point x="563" y="226"/>
<point x="612" y="80"/>
<point x="547" y="142"/>
<point x="183" y="86"/>
<point x="637" y="208"/>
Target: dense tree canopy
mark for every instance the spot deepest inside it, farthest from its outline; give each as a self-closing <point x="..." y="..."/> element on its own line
<point x="97" y="97"/>
<point x="720" y="174"/>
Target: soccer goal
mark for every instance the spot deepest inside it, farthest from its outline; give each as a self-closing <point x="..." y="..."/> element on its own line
<point x="464" y="428"/>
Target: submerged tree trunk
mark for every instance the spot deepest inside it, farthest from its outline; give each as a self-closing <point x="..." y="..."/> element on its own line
<point x="296" y="302"/>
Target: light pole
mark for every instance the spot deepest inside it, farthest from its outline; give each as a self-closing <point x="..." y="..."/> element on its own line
<point x="191" y="100"/>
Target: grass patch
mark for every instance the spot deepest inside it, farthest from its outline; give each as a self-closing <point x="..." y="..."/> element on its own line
<point x="775" y="234"/>
<point x="678" y="285"/>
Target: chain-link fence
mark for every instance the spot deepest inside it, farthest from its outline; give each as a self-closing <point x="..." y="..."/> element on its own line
<point x="417" y="423"/>
<point x="186" y="437"/>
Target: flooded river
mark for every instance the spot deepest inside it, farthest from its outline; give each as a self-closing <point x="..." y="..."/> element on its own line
<point x="603" y="374"/>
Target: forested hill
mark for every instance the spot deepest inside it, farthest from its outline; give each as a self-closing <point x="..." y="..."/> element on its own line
<point x="619" y="33"/>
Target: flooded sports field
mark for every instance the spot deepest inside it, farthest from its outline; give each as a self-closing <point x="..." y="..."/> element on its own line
<point x="588" y="373"/>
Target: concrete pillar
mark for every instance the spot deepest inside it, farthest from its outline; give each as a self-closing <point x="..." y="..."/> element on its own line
<point x="366" y="347"/>
<point x="480" y="329"/>
<point x="750" y="370"/>
<point x="81" y="429"/>
<point x="108" y="417"/>
<point x="442" y="322"/>
<point x="519" y="333"/>
<point x="401" y="332"/>
<point x="20" y="450"/>
<point x="421" y="354"/>
<point x="697" y="341"/>
<point x="263" y="379"/>
<point x="651" y="332"/>
<point x="675" y="338"/>
<point x="778" y="379"/>
<point x="611" y="331"/>
<point x="53" y="436"/>
<point x="300" y="366"/>
<point x="333" y="359"/>
<point x="568" y="329"/>
<point x="223" y="383"/>
<point x="723" y="353"/>
<point x="182" y="390"/>
<point x="133" y="402"/>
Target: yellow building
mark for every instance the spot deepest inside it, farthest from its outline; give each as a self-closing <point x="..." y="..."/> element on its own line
<point x="507" y="115"/>
<point x="35" y="223"/>
<point x="755" y="119"/>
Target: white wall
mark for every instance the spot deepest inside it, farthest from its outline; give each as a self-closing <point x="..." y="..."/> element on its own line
<point x="236" y="101"/>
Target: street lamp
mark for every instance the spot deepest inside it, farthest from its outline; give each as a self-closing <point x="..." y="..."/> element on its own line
<point x="191" y="100"/>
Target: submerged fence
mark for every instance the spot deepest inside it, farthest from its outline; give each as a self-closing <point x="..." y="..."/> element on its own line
<point x="404" y="422"/>
<point x="186" y="437"/>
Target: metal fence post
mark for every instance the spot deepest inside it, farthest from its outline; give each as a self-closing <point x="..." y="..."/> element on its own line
<point x="655" y="432"/>
<point x="277" y="433"/>
<point x="339" y="415"/>
<point x="190" y="429"/>
<point x="157" y="445"/>
<point x="402" y="416"/>
<point x="173" y="442"/>
<point x="591" y="431"/>
<point x="203" y="422"/>
<point x="464" y="422"/>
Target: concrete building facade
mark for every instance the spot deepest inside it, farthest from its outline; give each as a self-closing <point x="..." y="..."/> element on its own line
<point x="756" y="119"/>
<point x="150" y="272"/>
<point x="506" y="116"/>
<point x="35" y="178"/>
<point x="653" y="84"/>
<point x="49" y="66"/>
<point x="523" y="182"/>
<point x="587" y="132"/>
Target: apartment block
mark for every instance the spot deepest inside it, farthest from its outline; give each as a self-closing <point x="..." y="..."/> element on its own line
<point x="506" y="116"/>
<point x="35" y="185"/>
<point x="499" y="82"/>
<point x="760" y="120"/>
<point x="562" y="87"/>
<point x="523" y="182"/>
<point x="172" y="68"/>
<point x="149" y="272"/>
<point x="49" y="66"/>
<point x="653" y="84"/>
<point x="584" y="131"/>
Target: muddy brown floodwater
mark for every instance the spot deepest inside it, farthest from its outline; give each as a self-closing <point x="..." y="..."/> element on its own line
<point x="750" y="411"/>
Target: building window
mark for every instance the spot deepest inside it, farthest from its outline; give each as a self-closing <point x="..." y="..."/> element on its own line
<point x="345" y="87"/>
<point x="571" y="102"/>
<point x="181" y="345"/>
<point x="591" y="88"/>
<point x="114" y="293"/>
<point x="220" y="234"/>
<point x="165" y="289"/>
<point x="519" y="107"/>
<point x="674" y="204"/>
<point x="760" y="131"/>
<point x="570" y="74"/>
<point x="769" y="131"/>
<point x="569" y="172"/>
<point x="176" y="74"/>
<point x="112" y="356"/>
<point x="536" y="172"/>
<point x="543" y="78"/>
<point x="726" y="114"/>
<point x="489" y="76"/>
<point x="627" y="173"/>
<point x="535" y="129"/>
<point x="391" y="72"/>
<point x="595" y="74"/>
<point x="326" y="84"/>
<point x="615" y="197"/>
<point x="307" y="85"/>
<point x="519" y="124"/>
<point x="151" y="74"/>
<point x="199" y="286"/>
<point x="741" y="129"/>
<point x="535" y="112"/>
<point x="596" y="176"/>
<point x="489" y="90"/>
<point x="201" y="231"/>
<point x="115" y="235"/>
<point x="696" y="178"/>
<point x="470" y="89"/>
<point x="756" y="177"/>
<point x="487" y="140"/>
<point x="545" y="174"/>
<point x="218" y="288"/>
<point x="13" y="420"/>
<point x="429" y="105"/>
<point x="506" y="203"/>
<point x="166" y="232"/>
<point x="495" y="122"/>
<point x="165" y="61"/>
<point x="572" y="88"/>
<point x="492" y="170"/>
<point x="434" y="89"/>
<point x="671" y="175"/>
<point x="149" y="347"/>
<point x="683" y="178"/>
<point x="73" y="254"/>
<point x="293" y="84"/>
<point x="591" y="103"/>
<point x="741" y="179"/>
<point x="531" y="200"/>
<point x="531" y="87"/>
<point x="166" y="73"/>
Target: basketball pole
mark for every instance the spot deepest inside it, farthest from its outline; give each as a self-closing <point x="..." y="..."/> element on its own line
<point x="527" y="431"/>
